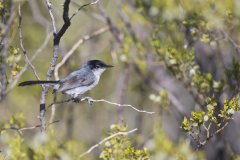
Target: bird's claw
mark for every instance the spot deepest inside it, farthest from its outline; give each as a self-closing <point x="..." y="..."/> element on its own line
<point x="76" y="100"/>
<point x="90" y="101"/>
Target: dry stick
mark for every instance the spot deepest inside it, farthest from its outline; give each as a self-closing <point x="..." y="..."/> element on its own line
<point x="75" y="46"/>
<point x="21" y="43"/>
<point x="57" y="37"/>
<point x="90" y="100"/>
<point x="106" y="139"/>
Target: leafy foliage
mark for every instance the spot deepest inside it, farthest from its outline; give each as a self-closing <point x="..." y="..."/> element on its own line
<point x="120" y="147"/>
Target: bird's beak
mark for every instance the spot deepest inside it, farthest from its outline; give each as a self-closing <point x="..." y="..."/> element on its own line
<point x="108" y="66"/>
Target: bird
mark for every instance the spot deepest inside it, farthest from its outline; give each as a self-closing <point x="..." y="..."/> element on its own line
<point x="77" y="82"/>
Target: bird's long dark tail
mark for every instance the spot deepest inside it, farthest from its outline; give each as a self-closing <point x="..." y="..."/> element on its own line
<point x="27" y="83"/>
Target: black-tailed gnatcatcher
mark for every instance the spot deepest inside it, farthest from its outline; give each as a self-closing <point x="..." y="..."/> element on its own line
<point x="77" y="82"/>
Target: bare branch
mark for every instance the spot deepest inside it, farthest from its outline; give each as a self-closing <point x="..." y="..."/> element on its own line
<point x="90" y="100"/>
<point x="81" y="7"/>
<point x="106" y="139"/>
<point x="75" y="46"/>
<point x="49" y="5"/>
<point x="209" y="136"/>
<point x="56" y="41"/>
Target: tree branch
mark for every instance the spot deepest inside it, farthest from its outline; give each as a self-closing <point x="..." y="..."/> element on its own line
<point x="81" y="7"/>
<point x="90" y="100"/>
<point x="106" y="139"/>
<point x="49" y="5"/>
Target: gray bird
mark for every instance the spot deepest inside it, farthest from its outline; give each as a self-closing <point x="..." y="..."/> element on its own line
<point x="77" y="82"/>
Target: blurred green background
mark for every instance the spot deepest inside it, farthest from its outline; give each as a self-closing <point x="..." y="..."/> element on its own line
<point x="156" y="47"/>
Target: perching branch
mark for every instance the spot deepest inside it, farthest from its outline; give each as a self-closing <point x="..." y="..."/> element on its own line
<point x="106" y="139"/>
<point x="91" y="101"/>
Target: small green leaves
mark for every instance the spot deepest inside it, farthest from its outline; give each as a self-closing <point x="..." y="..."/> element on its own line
<point x="229" y="108"/>
<point x="205" y="38"/>
<point x="186" y="124"/>
<point x="120" y="147"/>
<point x="13" y="59"/>
<point x="198" y="117"/>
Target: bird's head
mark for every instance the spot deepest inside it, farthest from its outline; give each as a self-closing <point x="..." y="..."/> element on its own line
<point x="97" y="66"/>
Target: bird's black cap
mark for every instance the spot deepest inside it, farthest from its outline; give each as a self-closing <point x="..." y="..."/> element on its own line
<point x="97" y="64"/>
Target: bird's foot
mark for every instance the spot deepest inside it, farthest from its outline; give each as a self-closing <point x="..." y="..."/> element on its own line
<point x="76" y="100"/>
<point x="90" y="100"/>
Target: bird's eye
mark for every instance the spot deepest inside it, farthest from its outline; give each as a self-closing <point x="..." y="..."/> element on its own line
<point x="97" y="66"/>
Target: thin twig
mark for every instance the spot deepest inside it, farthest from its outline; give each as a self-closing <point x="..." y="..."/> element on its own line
<point x="49" y="5"/>
<point x="90" y="100"/>
<point x="75" y="46"/>
<point x="106" y="139"/>
<point x="81" y="7"/>
<point x="210" y="136"/>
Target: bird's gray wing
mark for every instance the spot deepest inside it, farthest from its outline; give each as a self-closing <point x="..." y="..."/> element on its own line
<point x="76" y="79"/>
